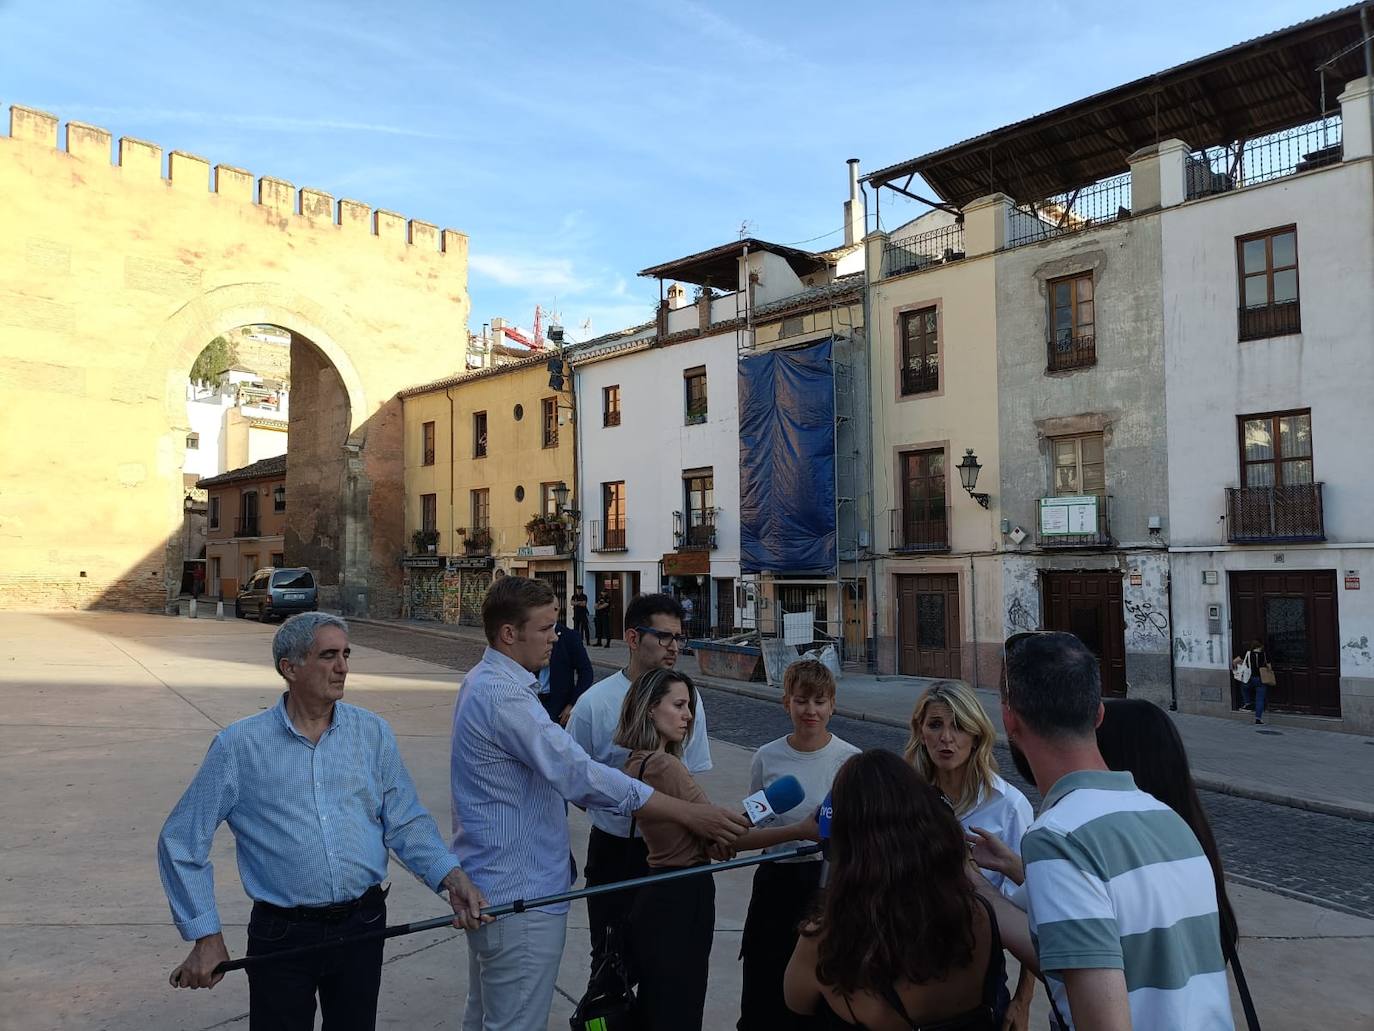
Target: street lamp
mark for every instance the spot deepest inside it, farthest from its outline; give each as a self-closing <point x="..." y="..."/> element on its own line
<point x="969" y="468"/>
<point x="560" y="501"/>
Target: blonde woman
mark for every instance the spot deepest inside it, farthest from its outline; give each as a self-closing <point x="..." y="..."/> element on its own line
<point x="672" y="924"/>
<point x="951" y="747"/>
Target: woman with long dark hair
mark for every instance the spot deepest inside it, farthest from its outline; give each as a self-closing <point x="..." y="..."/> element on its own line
<point x="903" y="939"/>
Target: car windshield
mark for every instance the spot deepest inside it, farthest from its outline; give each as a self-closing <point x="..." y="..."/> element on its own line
<point x="293" y="578"/>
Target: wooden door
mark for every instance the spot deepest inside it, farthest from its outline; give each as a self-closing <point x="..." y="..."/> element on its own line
<point x="725" y="606"/>
<point x="610" y="584"/>
<point x="1294" y="614"/>
<point x="1088" y="605"/>
<point x="928" y="638"/>
<point x="855" y="616"/>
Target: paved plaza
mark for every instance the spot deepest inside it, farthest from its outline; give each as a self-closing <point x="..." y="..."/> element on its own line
<point x="104" y="718"/>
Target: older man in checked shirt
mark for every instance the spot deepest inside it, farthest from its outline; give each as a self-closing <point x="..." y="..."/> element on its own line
<point x="316" y="793"/>
<point x="513" y="773"/>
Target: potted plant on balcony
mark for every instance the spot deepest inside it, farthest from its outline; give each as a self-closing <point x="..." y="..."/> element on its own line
<point x="426" y="541"/>
<point x="477" y="541"/>
<point x="547" y="530"/>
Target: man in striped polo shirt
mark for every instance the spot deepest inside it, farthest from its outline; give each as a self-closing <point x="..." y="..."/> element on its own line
<point x="1121" y="901"/>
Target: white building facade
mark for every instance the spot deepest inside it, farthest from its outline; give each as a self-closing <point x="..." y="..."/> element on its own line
<point x="1269" y="337"/>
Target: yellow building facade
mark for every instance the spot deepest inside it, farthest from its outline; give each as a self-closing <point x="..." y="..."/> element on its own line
<point x="484" y="452"/>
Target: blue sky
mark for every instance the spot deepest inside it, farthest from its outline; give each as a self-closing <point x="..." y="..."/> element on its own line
<point x="577" y="143"/>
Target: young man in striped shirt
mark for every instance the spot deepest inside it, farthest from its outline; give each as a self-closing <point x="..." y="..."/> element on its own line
<point x="1121" y="901"/>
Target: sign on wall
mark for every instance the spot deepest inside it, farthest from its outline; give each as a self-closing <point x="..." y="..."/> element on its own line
<point x="1352" y="579"/>
<point x="1068" y="516"/>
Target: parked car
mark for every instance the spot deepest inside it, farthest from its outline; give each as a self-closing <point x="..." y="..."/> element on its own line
<point x="277" y="592"/>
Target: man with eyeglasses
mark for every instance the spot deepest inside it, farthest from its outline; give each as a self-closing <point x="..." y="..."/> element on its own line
<point x="653" y="632"/>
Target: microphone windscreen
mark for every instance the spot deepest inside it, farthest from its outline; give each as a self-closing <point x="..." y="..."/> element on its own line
<point x="785" y="794"/>
<point x="824" y="816"/>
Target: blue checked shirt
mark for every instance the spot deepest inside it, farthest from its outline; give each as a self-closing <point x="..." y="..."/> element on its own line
<point x="312" y="822"/>
<point x="513" y="772"/>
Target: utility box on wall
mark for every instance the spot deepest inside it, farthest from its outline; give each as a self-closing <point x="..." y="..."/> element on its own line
<point x="1214" y="619"/>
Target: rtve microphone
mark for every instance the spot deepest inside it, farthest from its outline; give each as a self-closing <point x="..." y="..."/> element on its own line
<point x="824" y="815"/>
<point x="783" y="795"/>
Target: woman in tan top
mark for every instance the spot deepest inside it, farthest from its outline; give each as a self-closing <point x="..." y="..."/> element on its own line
<point x="672" y="924"/>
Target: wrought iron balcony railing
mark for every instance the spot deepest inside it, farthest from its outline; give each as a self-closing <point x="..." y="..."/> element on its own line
<point x="695" y="530"/>
<point x="1260" y="515"/>
<point x="1071" y="352"/>
<point x="247" y="526"/>
<point x="609" y="536"/>
<point x="1063" y="526"/>
<point x="919" y="528"/>
<point x="921" y="375"/>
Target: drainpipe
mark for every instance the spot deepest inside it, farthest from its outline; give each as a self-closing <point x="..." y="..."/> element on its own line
<point x="973" y="620"/>
<point x="576" y="484"/>
<point x="1368" y="64"/>
<point x="1169" y="610"/>
<point x="448" y="393"/>
<point x="868" y="400"/>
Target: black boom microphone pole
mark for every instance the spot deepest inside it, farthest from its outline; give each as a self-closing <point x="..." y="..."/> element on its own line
<point x="518" y="906"/>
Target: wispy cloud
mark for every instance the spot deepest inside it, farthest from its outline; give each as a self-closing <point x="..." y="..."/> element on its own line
<point x="722" y="30"/>
<point x="257" y="122"/>
<point x="533" y="273"/>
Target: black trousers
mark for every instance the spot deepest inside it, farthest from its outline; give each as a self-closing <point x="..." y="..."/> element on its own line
<point x="610" y="859"/>
<point x="783" y="896"/>
<point x="671" y="929"/>
<point x="281" y="995"/>
<point x="603" y="629"/>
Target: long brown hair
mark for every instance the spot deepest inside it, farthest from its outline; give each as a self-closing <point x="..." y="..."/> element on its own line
<point x="899" y="907"/>
<point x="636" y="730"/>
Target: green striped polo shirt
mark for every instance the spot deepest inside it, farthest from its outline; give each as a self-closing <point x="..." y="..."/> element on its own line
<point x="1115" y="879"/>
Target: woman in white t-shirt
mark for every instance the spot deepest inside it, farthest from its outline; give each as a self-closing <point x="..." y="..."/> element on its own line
<point x="951" y="747"/>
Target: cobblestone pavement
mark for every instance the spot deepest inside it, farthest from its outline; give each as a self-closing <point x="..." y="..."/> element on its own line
<point x="1311" y="856"/>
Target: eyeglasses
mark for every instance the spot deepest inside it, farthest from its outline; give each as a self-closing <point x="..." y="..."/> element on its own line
<point x="663" y="637"/>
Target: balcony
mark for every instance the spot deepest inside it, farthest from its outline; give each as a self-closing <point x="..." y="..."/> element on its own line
<point x="1268" y="320"/>
<point x="609" y="536"/>
<point x="1071" y="352"/>
<point x="1264" y="515"/>
<point x="248" y="526"/>
<point x="937" y="247"/>
<point x="913" y="531"/>
<point x="695" y="531"/>
<point x="1250" y="162"/>
<point x="1069" y="522"/>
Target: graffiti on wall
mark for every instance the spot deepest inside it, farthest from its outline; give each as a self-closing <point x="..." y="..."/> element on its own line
<point x="1019" y="617"/>
<point x="1147" y="624"/>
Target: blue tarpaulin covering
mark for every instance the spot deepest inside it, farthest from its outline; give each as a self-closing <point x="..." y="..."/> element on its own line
<point x="787" y="461"/>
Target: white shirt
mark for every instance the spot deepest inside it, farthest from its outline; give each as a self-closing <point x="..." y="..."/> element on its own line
<point x="592" y="724"/>
<point x="1006" y="813"/>
<point x="815" y="771"/>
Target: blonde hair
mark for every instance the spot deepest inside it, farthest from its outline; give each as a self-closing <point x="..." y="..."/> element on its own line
<point x="636" y="730"/>
<point x="969" y="717"/>
<point x="807" y="678"/>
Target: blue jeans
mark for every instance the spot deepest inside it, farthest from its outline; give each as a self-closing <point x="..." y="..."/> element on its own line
<point x="1255" y="691"/>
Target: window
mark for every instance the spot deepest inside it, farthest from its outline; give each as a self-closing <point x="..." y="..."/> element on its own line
<point x="548" y="503"/>
<point x="248" y="518"/>
<point x="549" y="408"/>
<point x="279" y="498"/>
<point x="278" y="560"/>
<point x="699" y="495"/>
<point x="1073" y="342"/>
<point x="214" y="511"/>
<point x="695" y="382"/>
<point x="481" y="509"/>
<point x="193" y="442"/>
<point x="429" y="512"/>
<point x="1262" y="463"/>
<point x="1080" y="466"/>
<point x="427" y="444"/>
<point x="479" y="434"/>
<point x="924" y="520"/>
<point x="613" y="515"/>
<point x="920" y="352"/>
<point x="610" y="405"/>
<point x="1268" y="267"/>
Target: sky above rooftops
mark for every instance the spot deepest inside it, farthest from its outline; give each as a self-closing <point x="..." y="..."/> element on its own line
<point x="578" y="143"/>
